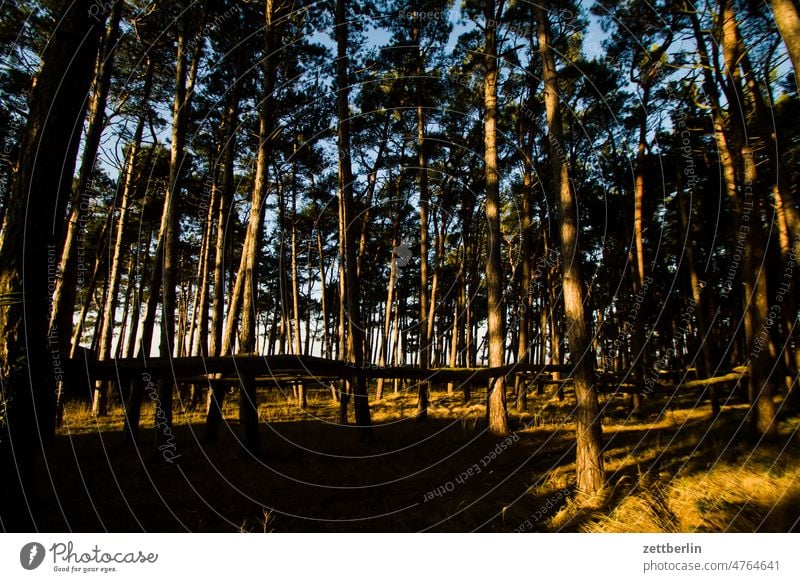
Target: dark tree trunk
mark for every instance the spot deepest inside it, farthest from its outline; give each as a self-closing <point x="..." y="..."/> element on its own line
<point x="355" y="333"/>
<point x="225" y="198"/>
<point x="99" y="404"/>
<point x="30" y="361"/>
<point x="69" y="264"/>
<point x="246" y="278"/>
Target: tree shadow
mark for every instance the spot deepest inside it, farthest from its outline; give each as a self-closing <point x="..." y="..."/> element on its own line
<point x="445" y="474"/>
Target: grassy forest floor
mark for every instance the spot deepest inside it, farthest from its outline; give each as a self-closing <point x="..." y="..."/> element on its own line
<point x="670" y="470"/>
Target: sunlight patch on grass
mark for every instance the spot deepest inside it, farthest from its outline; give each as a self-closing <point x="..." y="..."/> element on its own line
<point x="726" y="498"/>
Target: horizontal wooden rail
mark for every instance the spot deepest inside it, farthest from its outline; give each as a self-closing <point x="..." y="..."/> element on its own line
<point x="309" y="369"/>
<point x="284" y="367"/>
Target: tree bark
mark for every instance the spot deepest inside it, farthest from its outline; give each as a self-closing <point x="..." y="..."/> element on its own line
<point x="393" y="275"/>
<point x="526" y="272"/>
<point x="169" y="232"/>
<point x="247" y="274"/>
<point x="298" y="345"/>
<point x="100" y="400"/>
<point x="589" y="465"/>
<point x="224" y="207"/>
<point x="754" y="270"/>
<point x="697" y="287"/>
<point x="787" y="219"/>
<point x="788" y="21"/>
<point x="355" y="335"/>
<point x="496" y="413"/>
<point x="68" y="281"/>
<point x="30" y="359"/>
<point x="326" y="340"/>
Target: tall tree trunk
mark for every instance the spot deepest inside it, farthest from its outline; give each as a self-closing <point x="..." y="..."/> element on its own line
<point x="100" y="400"/>
<point x="422" y="161"/>
<point x="97" y="273"/>
<point x="283" y="277"/>
<point x="247" y="276"/>
<point x="496" y="413"/>
<point x="355" y="336"/>
<point x="298" y="345"/>
<point x="30" y="359"/>
<point x="397" y="356"/>
<point x="169" y="233"/>
<point x="589" y="466"/>
<point x="788" y="21"/>
<point x="199" y="339"/>
<point x="201" y="285"/>
<point x="525" y="305"/>
<point x="754" y="269"/>
<point x="224" y="207"/>
<point x="697" y="287"/>
<point x="465" y="269"/>
<point x="341" y="325"/>
<point x="637" y="333"/>
<point x="526" y="272"/>
<point x="393" y="275"/>
<point x="67" y="283"/>
<point x="787" y="219"/>
<point x="309" y="341"/>
<point x="647" y="75"/>
<point x="440" y="233"/>
<point x="126" y="306"/>
<point x="326" y="340"/>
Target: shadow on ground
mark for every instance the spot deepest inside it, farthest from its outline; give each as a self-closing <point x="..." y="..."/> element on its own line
<point x="440" y="475"/>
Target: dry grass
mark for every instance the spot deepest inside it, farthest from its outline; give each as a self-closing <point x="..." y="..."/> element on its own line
<point x="670" y="471"/>
<point x="726" y="499"/>
<point x="696" y="479"/>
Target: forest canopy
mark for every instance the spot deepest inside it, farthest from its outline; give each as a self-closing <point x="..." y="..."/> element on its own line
<point x="488" y="199"/>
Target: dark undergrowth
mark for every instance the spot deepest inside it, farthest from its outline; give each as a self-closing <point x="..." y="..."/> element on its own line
<point x="669" y="469"/>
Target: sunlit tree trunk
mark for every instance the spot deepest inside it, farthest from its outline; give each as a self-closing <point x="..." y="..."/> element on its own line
<point x="169" y="231"/>
<point x="525" y="306"/>
<point x="496" y="399"/>
<point x="326" y="340"/>
<point x="589" y="465"/>
<point x="788" y="21"/>
<point x="787" y="221"/>
<point x="298" y="346"/>
<point x="393" y="275"/>
<point x="754" y="268"/>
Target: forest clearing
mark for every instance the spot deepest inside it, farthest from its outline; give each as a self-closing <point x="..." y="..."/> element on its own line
<point x="399" y="265"/>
